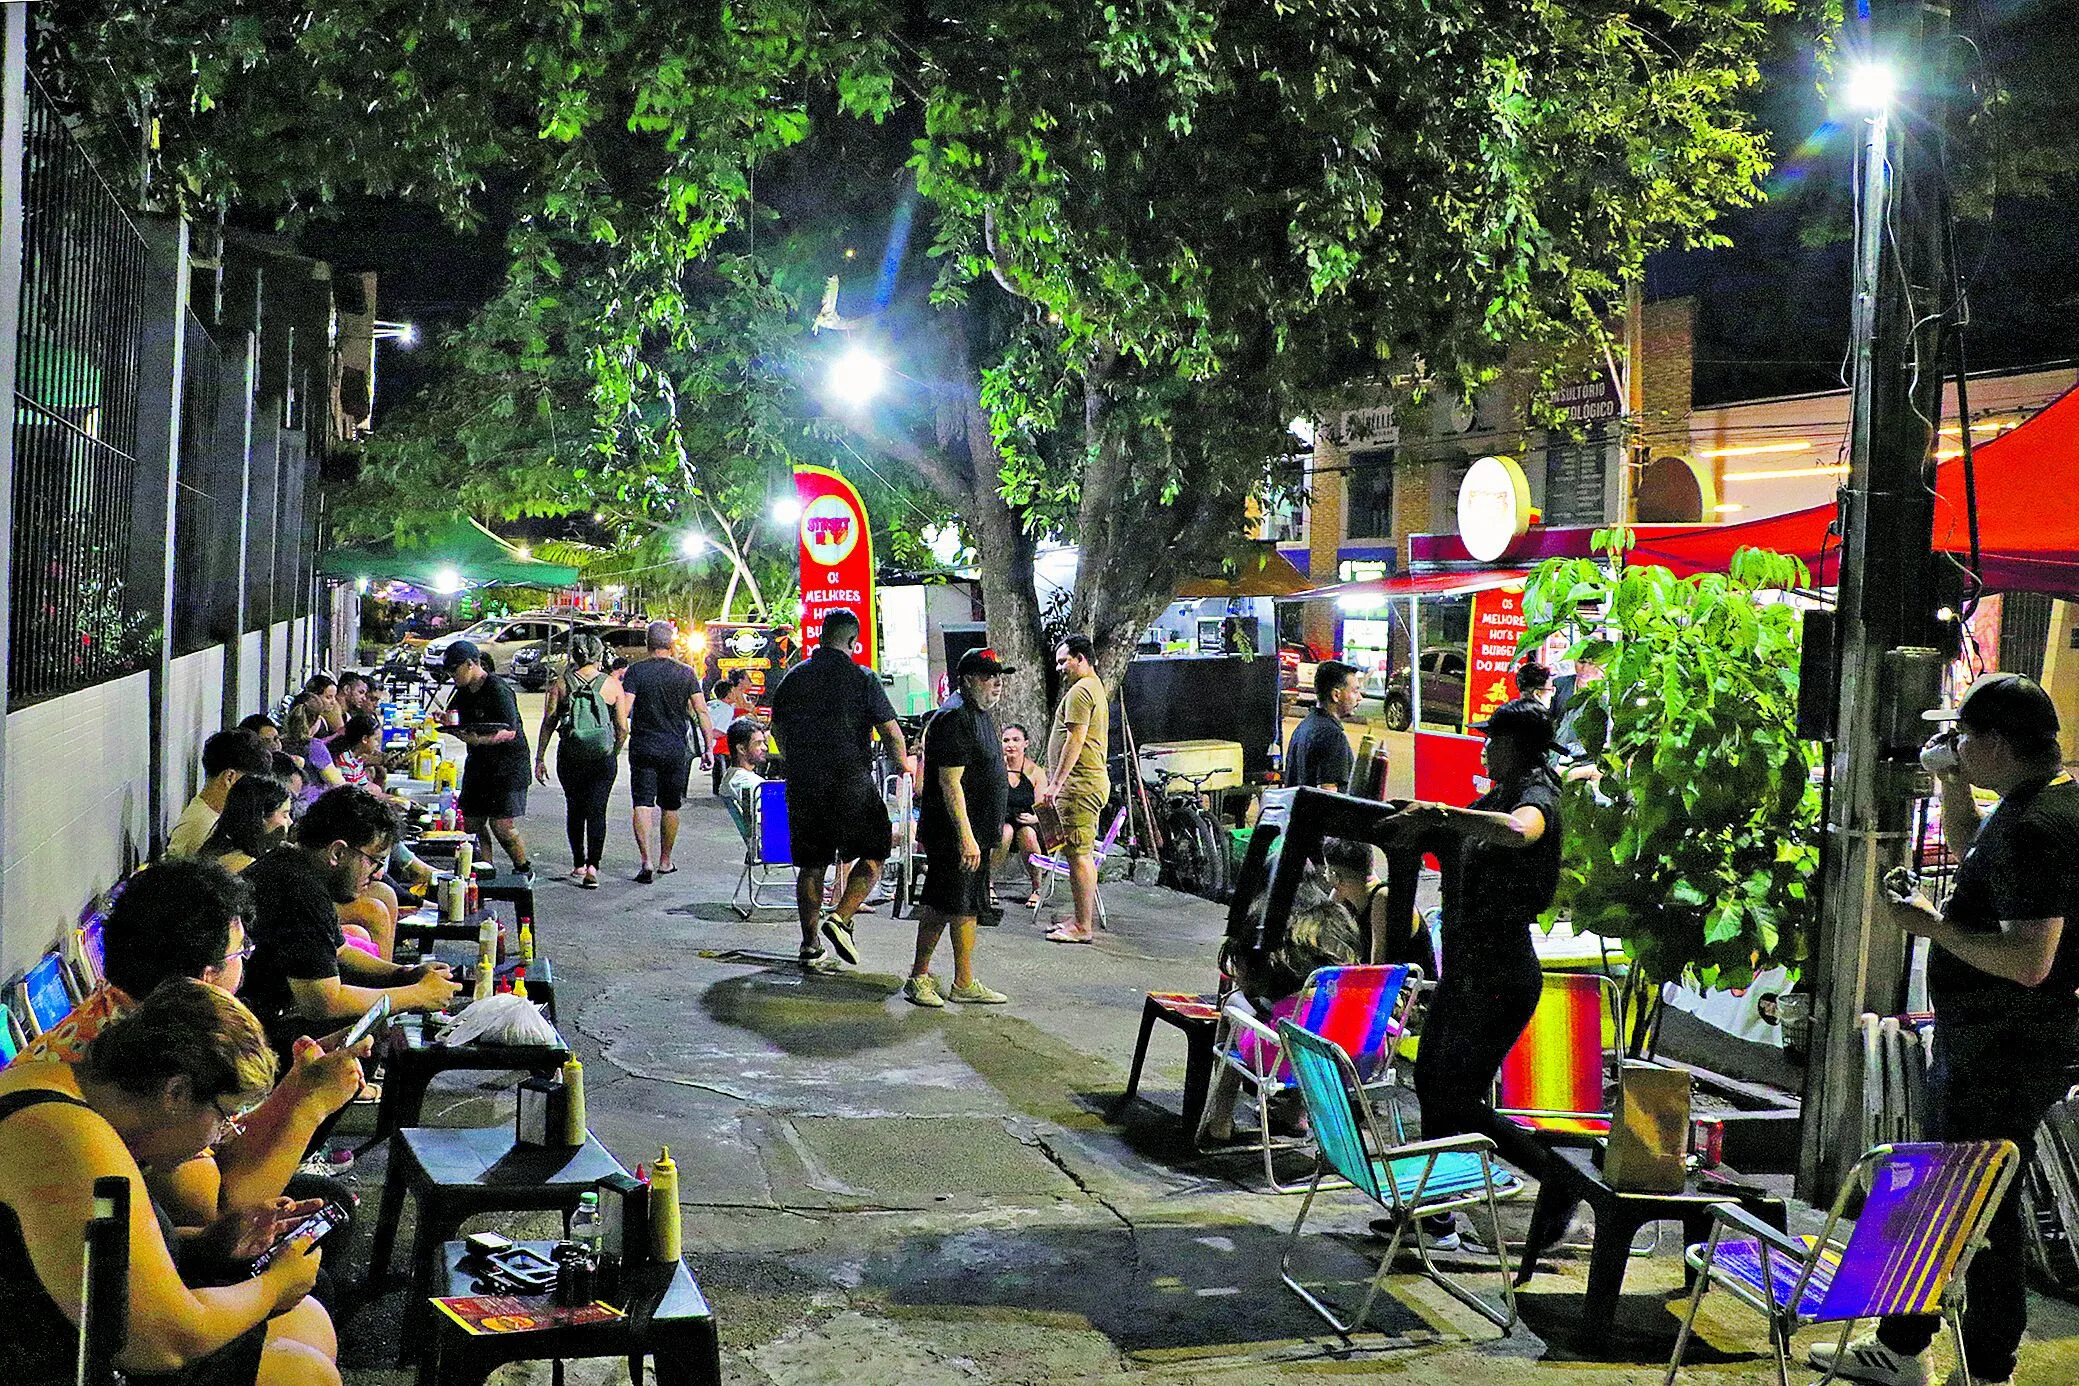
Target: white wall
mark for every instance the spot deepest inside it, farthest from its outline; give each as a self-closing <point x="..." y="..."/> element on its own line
<point x="252" y="688"/>
<point x="278" y="684"/>
<point x="78" y="786"/>
<point x="194" y="710"/>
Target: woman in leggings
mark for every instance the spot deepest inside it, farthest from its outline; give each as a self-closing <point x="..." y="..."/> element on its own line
<point x="1501" y="867"/>
<point x="585" y="767"/>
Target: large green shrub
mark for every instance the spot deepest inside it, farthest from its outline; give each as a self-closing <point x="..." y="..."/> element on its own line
<point x="1697" y="843"/>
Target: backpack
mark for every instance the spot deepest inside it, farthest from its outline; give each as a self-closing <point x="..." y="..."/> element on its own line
<point x="587" y="721"/>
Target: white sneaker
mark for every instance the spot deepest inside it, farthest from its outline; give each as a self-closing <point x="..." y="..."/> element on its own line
<point x="923" y="991"/>
<point x="1866" y="1359"/>
<point x="975" y="994"/>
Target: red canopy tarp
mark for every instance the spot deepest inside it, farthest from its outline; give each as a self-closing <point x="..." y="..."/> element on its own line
<point x="2028" y="516"/>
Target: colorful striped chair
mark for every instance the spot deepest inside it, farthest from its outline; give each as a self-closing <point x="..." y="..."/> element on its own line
<point x="1553" y="1080"/>
<point x="1408" y="1181"/>
<point x="1361" y="1010"/>
<point x="1926" y="1212"/>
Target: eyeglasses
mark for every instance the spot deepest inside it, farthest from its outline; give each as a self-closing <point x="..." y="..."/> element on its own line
<point x="229" y="1125"/>
<point x="244" y="952"/>
<point x="375" y="862"/>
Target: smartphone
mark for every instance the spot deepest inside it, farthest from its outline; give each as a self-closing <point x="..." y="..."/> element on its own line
<point x="370" y="1019"/>
<point x="315" y="1227"/>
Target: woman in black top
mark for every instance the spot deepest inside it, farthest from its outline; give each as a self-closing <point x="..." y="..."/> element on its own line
<point x="1501" y="868"/>
<point x="1020" y="821"/>
<point x="1386" y="941"/>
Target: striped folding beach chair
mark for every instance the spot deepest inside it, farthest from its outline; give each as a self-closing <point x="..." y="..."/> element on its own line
<point x="1553" y="1080"/>
<point x="1927" y="1210"/>
<point x="1408" y="1181"/>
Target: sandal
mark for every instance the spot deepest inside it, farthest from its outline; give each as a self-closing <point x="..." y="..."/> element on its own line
<point x="1032" y="901"/>
<point x="1058" y="936"/>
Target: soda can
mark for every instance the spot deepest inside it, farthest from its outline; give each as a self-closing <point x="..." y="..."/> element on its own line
<point x="1707" y="1141"/>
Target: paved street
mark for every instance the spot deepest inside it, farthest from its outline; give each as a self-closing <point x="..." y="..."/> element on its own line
<point x="877" y="1193"/>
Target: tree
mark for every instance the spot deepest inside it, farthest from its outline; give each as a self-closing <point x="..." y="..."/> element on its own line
<point x="1696" y="843"/>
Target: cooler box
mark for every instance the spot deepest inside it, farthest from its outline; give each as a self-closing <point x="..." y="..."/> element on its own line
<point x="1163" y="761"/>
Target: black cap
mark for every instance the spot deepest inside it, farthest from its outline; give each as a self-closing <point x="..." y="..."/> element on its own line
<point x="1522" y="720"/>
<point x="2009" y="704"/>
<point x="981" y="663"/>
<point x="462" y="651"/>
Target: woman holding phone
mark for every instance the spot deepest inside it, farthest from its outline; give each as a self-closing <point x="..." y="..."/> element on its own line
<point x="155" y="1088"/>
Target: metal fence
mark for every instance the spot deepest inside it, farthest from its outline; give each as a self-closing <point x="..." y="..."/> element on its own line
<point x="74" y="621"/>
<point x="205" y="537"/>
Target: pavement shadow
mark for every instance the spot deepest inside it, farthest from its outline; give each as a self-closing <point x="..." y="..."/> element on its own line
<point x="721" y="912"/>
<point x="810" y="1015"/>
<point x="1643" y="1334"/>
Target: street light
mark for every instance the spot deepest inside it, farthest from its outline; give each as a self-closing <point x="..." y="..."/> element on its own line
<point x="447" y="581"/>
<point x="856" y="377"/>
<point x="405" y="334"/>
<point x="693" y="545"/>
<point x="786" y="511"/>
<point x="1871" y="87"/>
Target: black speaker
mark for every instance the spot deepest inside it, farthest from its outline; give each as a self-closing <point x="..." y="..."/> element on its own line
<point x="1816" y="692"/>
<point x="957" y="640"/>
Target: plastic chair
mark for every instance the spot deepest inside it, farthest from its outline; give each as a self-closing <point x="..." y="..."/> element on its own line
<point x="1553" y="1080"/>
<point x="1927" y="1210"/>
<point x="1361" y="1010"/>
<point x="1408" y="1180"/>
<point x="760" y="816"/>
<point x="1054" y="865"/>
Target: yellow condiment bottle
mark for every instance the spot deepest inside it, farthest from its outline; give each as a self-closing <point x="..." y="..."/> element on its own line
<point x="664" y="1208"/>
<point x="574" y="1124"/>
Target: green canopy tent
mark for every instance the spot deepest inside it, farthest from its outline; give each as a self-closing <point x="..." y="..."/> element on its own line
<point x="462" y="554"/>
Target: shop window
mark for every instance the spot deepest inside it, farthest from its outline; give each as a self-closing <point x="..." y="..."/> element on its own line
<point x="1369" y="489"/>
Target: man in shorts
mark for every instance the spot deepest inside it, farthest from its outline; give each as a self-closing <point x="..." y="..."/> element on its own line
<point x="825" y="714"/>
<point x="666" y="703"/>
<point x="1077" y="782"/>
<point x="964" y="796"/>
<point x="486" y="718"/>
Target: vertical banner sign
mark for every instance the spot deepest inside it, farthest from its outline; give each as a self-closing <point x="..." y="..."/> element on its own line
<point x="836" y="557"/>
<point x="1490" y="655"/>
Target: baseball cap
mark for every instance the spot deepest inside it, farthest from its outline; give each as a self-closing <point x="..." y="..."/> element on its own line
<point x="982" y="663"/>
<point x="459" y="652"/>
<point x="1522" y="720"/>
<point x="2009" y="704"/>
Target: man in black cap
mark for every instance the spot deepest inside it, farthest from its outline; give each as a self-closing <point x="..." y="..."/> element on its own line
<point x="485" y="716"/>
<point x="2001" y="976"/>
<point x="964" y="797"/>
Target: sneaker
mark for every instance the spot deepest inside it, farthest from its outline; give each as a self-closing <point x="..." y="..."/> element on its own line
<point x="820" y="961"/>
<point x="525" y="872"/>
<point x="923" y="991"/>
<point x="328" y="1162"/>
<point x="840" y="935"/>
<point x="975" y="994"/>
<point x="1866" y="1359"/>
<point x="1449" y="1243"/>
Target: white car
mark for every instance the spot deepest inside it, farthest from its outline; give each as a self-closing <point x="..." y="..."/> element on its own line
<point x="500" y="637"/>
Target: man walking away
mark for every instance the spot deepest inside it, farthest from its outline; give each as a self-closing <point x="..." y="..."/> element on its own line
<point x="825" y="714"/>
<point x="964" y="796"/>
<point x="494" y="777"/>
<point x="665" y="706"/>
<point x="227" y="757"/>
<point x="1320" y="753"/>
<point x="1077" y="782"/>
<point x="2001" y="975"/>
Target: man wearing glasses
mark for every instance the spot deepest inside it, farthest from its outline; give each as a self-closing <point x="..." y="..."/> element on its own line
<point x="304" y="978"/>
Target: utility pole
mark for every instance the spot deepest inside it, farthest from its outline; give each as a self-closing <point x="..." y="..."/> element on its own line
<point x="1886" y="673"/>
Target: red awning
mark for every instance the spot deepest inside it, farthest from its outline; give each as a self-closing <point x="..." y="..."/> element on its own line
<point x="1422" y="584"/>
<point x="2028" y="521"/>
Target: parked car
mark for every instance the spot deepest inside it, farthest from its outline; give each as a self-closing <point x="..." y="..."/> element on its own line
<point x="500" y="637"/>
<point x="1386" y="697"/>
<point x="1296" y="666"/>
<point x="537" y="666"/>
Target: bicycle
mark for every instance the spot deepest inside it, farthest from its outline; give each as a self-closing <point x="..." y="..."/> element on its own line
<point x="1193" y="850"/>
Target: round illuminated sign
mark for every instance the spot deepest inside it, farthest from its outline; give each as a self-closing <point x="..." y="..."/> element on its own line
<point x="1493" y="507"/>
<point x="829" y="530"/>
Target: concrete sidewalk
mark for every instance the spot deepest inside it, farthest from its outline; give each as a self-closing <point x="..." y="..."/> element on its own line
<point x="878" y="1193"/>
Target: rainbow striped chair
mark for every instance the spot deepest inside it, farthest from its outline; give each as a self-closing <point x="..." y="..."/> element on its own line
<point x="1926" y="1212"/>
<point x="1552" y="1082"/>
<point x="1408" y="1180"/>
<point x="1362" y="1010"/>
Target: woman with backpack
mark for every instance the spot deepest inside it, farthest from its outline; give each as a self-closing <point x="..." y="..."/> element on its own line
<point x="585" y="709"/>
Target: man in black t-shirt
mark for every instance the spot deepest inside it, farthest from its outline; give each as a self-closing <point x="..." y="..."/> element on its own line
<point x="2001" y="975"/>
<point x="304" y="978"/>
<point x="964" y="795"/>
<point x="665" y="705"/>
<point x="825" y="715"/>
<point x="486" y="718"/>
<point x="1320" y="752"/>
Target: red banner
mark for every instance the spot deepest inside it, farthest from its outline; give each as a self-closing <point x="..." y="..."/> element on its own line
<point x="1490" y="653"/>
<point x="836" y="558"/>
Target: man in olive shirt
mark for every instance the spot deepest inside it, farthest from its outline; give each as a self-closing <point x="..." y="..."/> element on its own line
<point x="1077" y="782"/>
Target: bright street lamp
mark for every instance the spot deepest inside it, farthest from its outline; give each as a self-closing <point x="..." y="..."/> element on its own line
<point x="405" y="334"/>
<point x="856" y="377"/>
<point x="692" y="545"/>
<point x="786" y="511"/>
<point x="1871" y="87"/>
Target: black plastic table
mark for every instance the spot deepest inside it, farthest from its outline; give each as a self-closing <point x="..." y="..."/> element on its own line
<point x="456" y="1174"/>
<point x="410" y="1061"/>
<point x="668" y="1321"/>
<point x="1571" y="1178"/>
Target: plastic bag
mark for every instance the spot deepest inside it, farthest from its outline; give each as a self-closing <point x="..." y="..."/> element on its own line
<point x="502" y="1019"/>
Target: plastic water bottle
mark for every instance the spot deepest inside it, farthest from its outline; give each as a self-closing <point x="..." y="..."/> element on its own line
<point x="586" y="1227"/>
<point x="1275" y="773"/>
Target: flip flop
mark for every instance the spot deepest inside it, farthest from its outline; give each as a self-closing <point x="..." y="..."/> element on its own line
<point x="667" y="871"/>
<point x="1032" y="901"/>
<point x="1056" y="936"/>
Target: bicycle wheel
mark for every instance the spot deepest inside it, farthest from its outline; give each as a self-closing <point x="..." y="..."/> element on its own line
<point x="1190" y="848"/>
